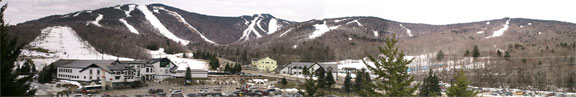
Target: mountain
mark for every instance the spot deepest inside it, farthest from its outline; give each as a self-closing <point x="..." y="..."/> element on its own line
<point x="132" y="30"/>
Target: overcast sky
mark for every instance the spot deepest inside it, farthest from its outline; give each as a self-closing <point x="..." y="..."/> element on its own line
<point x="412" y="11"/>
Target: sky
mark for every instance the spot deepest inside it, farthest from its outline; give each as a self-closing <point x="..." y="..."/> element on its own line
<point x="436" y="12"/>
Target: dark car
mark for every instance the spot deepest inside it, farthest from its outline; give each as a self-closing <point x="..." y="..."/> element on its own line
<point x="193" y="95"/>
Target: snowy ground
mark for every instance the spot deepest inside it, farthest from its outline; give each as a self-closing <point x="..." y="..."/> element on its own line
<point x="62" y="42"/>
<point x="159" y="26"/>
<point x="182" y="63"/>
<point x="321" y="29"/>
<point x="501" y="31"/>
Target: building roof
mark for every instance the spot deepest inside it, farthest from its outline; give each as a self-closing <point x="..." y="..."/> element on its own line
<point x="81" y="63"/>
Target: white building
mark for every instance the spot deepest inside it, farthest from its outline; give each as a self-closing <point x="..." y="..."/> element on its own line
<point x="296" y="68"/>
<point x="119" y="71"/>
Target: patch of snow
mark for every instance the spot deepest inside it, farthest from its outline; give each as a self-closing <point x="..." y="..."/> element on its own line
<point x="62" y="42"/>
<point x="258" y="24"/>
<point x="117" y="7"/>
<point x="407" y="30"/>
<point x="130" y="9"/>
<point x="539" y="33"/>
<point x="69" y="82"/>
<point x="251" y="29"/>
<point x="158" y="25"/>
<point x="501" y="31"/>
<point x="295" y="46"/>
<point x="340" y="20"/>
<point x="349" y="38"/>
<point x="77" y="13"/>
<point x="272" y="26"/>
<point x="95" y="22"/>
<point x="480" y="32"/>
<point x="130" y="27"/>
<point x="182" y="20"/>
<point x="284" y="33"/>
<point x="356" y="21"/>
<point x="375" y="33"/>
<point x="521" y="26"/>
<point x="529" y="23"/>
<point x="320" y="30"/>
<point x="487" y="23"/>
<point x="177" y="59"/>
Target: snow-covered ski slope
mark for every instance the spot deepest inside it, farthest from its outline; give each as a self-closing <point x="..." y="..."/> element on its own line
<point x="159" y="26"/>
<point x="62" y="42"/>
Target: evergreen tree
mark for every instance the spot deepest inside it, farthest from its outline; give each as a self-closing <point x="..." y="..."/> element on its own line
<point x="570" y="84"/>
<point x="498" y="53"/>
<point x="214" y="63"/>
<point x="321" y="75"/>
<point x="47" y="74"/>
<point x="359" y="81"/>
<point x="227" y="68"/>
<point x="391" y="70"/>
<point x="347" y="84"/>
<point x="184" y="55"/>
<point x="284" y="81"/>
<point x="310" y="87"/>
<point x="440" y="56"/>
<point x="9" y="52"/>
<point x="459" y="88"/>
<point x="305" y="71"/>
<point x="237" y="68"/>
<point x="330" y="79"/>
<point x="475" y="52"/>
<point x="467" y="53"/>
<point x="430" y="86"/>
<point x="188" y="76"/>
<point x="25" y="69"/>
<point x="506" y="55"/>
<point x="363" y="85"/>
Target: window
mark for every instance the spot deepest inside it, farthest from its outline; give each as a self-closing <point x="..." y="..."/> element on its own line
<point x="90" y="71"/>
<point x="164" y="63"/>
<point x="98" y="72"/>
<point x="84" y="77"/>
<point x="117" y="77"/>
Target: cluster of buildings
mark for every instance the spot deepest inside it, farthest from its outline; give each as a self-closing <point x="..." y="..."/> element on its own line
<point x="110" y="73"/>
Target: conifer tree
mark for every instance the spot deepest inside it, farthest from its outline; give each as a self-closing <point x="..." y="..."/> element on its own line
<point x="459" y="88"/>
<point x="310" y="87"/>
<point x="188" y="76"/>
<point x="329" y="79"/>
<point x="391" y="71"/>
<point x="321" y="75"/>
<point x="347" y="84"/>
<point x="284" y="81"/>
<point x="467" y="53"/>
<point x="430" y="86"/>
<point x="11" y="84"/>
<point x="305" y="71"/>
<point x="440" y="55"/>
<point x="359" y="81"/>
<point x="498" y="53"/>
<point x="227" y="68"/>
<point x="475" y="52"/>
